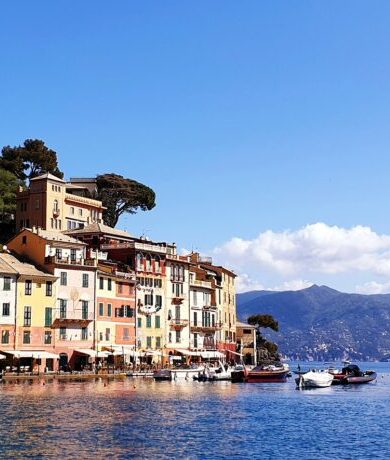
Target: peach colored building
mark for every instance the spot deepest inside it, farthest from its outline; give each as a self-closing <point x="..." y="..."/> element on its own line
<point x="53" y="204"/>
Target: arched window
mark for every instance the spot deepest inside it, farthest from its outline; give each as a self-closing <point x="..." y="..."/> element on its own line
<point x="139" y="261"/>
<point x="157" y="267"/>
<point x="55" y="206"/>
<point x="148" y="263"/>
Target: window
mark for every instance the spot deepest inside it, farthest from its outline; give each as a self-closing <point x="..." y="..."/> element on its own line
<point x="139" y="322"/>
<point x="194" y="298"/>
<point x="49" y="288"/>
<point x="80" y="212"/>
<point x="148" y="299"/>
<point x="158" y="301"/>
<point x="26" y="337"/>
<point x="63" y="279"/>
<point x="158" y="342"/>
<point x="6" y="309"/>
<point x="101" y="283"/>
<point x="28" y="287"/>
<point x="27" y="317"/>
<point x="170" y="337"/>
<point x="126" y="335"/>
<point x="178" y="336"/>
<point x="47" y="338"/>
<point x="48" y="316"/>
<point x="63" y="305"/>
<point x="4" y="336"/>
<point x="195" y="318"/>
<point x="84" y="333"/>
<point x="109" y="284"/>
<point x="108" y="333"/>
<point x="85" y="280"/>
<point x="62" y="333"/>
<point x="7" y="283"/>
<point x="73" y="255"/>
<point x="109" y="309"/>
<point x="195" y="340"/>
<point x="129" y="312"/>
<point x="120" y="288"/>
<point x="84" y="309"/>
<point x="24" y="238"/>
<point x="101" y="309"/>
<point x="37" y="203"/>
<point x="157" y="322"/>
<point x="148" y="321"/>
<point x="148" y="342"/>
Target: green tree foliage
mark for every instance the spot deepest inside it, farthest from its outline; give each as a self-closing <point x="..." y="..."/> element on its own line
<point x="120" y="195"/>
<point x="8" y="188"/>
<point x="265" y="321"/>
<point x="30" y="160"/>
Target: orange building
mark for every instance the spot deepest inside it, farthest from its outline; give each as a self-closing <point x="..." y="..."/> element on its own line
<point x="53" y="204"/>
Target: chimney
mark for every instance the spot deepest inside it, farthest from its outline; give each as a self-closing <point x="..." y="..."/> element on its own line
<point x="34" y="229"/>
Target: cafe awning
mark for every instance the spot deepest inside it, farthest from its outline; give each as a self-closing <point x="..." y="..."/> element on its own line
<point x="35" y="354"/>
<point x="90" y="352"/>
<point x="211" y="354"/>
<point x="189" y="353"/>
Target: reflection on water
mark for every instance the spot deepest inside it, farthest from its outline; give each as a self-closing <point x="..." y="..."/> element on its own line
<point x="147" y="419"/>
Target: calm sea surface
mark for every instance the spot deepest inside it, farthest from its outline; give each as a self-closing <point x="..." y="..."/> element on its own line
<point x="145" y="419"/>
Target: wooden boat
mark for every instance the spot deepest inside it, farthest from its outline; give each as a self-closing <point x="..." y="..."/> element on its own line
<point x="271" y="374"/>
<point x="351" y="374"/>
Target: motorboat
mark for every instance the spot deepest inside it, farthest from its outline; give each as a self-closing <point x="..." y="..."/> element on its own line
<point x="352" y="374"/>
<point x="186" y="372"/>
<point x="222" y="372"/>
<point x="270" y="373"/>
<point x="162" y="374"/>
<point x="314" y="379"/>
<point x="238" y="374"/>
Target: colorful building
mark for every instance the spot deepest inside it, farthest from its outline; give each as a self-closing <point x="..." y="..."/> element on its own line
<point x="116" y="310"/>
<point x="8" y="283"/>
<point x="73" y="317"/>
<point x="33" y="342"/>
<point x="53" y="204"/>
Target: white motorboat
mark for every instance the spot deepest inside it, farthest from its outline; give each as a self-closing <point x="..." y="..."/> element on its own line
<point x="221" y="372"/>
<point x="186" y="372"/>
<point x="314" y="379"/>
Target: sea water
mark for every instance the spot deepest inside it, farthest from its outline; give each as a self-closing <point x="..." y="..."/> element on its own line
<point x="140" y="418"/>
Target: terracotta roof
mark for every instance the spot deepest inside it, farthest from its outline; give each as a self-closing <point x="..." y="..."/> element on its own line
<point x="246" y="325"/>
<point x="48" y="176"/>
<point x="23" y="268"/>
<point x="99" y="228"/>
<point x="54" y="236"/>
<point x="5" y="268"/>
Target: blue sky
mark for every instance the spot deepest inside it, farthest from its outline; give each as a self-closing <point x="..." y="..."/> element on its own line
<point x="244" y="117"/>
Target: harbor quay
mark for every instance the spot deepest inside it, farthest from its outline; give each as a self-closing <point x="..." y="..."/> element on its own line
<point x="79" y="296"/>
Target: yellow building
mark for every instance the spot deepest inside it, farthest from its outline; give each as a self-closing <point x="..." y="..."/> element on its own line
<point x="53" y="204"/>
<point x="35" y="305"/>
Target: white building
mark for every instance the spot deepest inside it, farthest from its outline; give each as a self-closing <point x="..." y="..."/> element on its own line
<point x="8" y="282"/>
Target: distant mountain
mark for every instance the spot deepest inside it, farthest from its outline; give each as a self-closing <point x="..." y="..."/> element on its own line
<point x="321" y="323"/>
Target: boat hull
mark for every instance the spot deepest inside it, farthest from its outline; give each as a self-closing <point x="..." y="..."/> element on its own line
<point x="267" y="376"/>
<point x="341" y="379"/>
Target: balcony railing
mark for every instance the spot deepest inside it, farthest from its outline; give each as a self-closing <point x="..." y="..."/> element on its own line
<point x="70" y="261"/>
<point x="71" y="316"/>
<point x="178" y="323"/>
<point x="204" y="284"/>
<point x="198" y="326"/>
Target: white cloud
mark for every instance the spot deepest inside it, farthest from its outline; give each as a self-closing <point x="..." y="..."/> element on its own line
<point x="316" y="248"/>
<point x="373" y="287"/>
<point x="245" y="283"/>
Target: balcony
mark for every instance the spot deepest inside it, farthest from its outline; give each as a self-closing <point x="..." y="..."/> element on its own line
<point x="72" y="317"/>
<point x="202" y="284"/>
<point x="199" y="327"/>
<point x="70" y="261"/>
<point x="178" y="323"/>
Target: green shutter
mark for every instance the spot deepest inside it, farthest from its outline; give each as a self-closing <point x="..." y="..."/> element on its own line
<point x="48" y="316"/>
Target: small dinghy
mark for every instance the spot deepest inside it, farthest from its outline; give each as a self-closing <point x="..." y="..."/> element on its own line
<point x="352" y="374"/>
